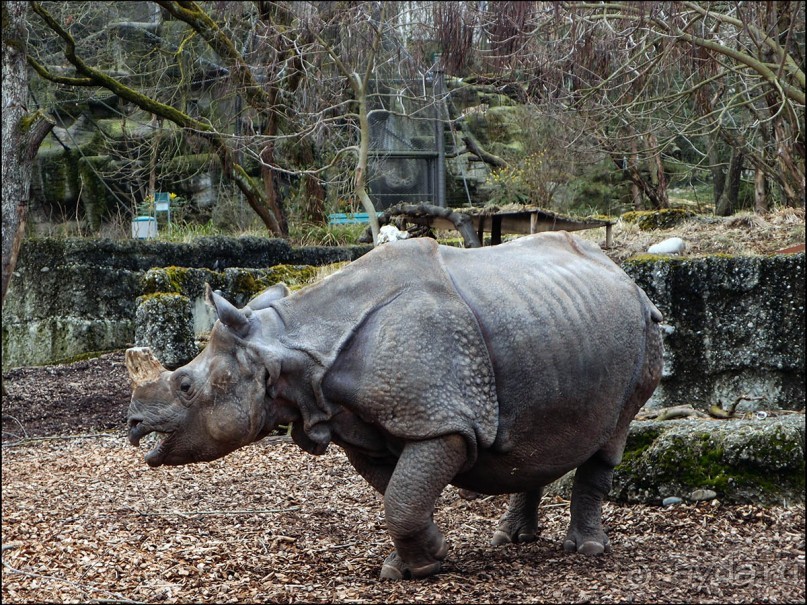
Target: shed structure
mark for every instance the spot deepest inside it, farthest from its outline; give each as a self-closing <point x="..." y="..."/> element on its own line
<point x="497" y="222"/>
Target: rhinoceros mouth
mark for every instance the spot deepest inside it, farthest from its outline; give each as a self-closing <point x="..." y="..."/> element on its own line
<point x="156" y="455"/>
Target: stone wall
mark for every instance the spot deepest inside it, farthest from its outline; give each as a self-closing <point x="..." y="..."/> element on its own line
<point x="734" y="326"/>
<point x="71" y="297"/>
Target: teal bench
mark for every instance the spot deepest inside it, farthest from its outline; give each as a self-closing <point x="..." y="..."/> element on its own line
<point x="348" y="219"/>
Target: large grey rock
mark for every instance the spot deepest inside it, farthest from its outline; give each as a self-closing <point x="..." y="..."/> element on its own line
<point x="164" y="323"/>
<point x="757" y="461"/>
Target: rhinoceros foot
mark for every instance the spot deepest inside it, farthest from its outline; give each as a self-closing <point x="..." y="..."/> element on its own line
<point x="395" y="569"/>
<point x="586" y="546"/>
<point x="519" y="524"/>
<point x="512" y="537"/>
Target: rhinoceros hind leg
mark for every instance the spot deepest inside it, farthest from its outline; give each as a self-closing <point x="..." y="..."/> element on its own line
<point x="520" y="523"/>
<point x="592" y="481"/>
<point x="422" y="472"/>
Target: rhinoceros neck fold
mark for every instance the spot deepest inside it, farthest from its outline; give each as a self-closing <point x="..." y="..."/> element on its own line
<point x="439" y="367"/>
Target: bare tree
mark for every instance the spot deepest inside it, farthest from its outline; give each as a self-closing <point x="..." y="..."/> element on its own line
<point x="23" y="132"/>
<point x="641" y="80"/>
<point x="739" y="63"/>
<point x="301" y="79"/>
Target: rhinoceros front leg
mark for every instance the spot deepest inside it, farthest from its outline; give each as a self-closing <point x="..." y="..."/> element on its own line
<point x="520" y="522"/>
<point x="376" y="471"/>
<point x="592" y="481"/>
<point x="423" y="470"/>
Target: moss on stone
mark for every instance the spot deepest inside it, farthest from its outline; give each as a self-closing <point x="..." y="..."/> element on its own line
<point x="188" y="281"/>
<point x="58" y="172"/>
<point x="638" y="442"/>
<point x="649" y="220"/>
<point x="192" y="163"/>
<point x="294" y="276"/>
<point x="740" y="460"/>
<point x="96" y="197"/>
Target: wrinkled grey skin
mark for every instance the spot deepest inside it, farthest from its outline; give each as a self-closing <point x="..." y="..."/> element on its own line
<point x="494" y="369"/>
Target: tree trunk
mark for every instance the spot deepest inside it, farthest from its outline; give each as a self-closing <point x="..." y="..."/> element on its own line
<point x="635" y="190"/>
<point x="254" y="196"/>
<point x="718" y="174"/>
<point x="657" y="196"/>
<point x="760" y="192"/>
<point x="360" y="177"/>
<point x="270" y="188"/>
<point x="728" y="203"/>
<point x="314" y="192"/>
<point x="636" y="196"/>
<point x="658" y="179"/>
<point x="792" y="175"/>
<point x="156" y="124"/>
<point x="22" y="135"/>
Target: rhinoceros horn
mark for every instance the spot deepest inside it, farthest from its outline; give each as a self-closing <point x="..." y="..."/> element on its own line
<point x="142" y="365"/>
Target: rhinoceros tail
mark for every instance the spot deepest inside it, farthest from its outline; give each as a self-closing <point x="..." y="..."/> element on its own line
<point x="655" y="315"/>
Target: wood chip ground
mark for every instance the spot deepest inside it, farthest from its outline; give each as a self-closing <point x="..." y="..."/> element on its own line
<point x="86" y="520"/>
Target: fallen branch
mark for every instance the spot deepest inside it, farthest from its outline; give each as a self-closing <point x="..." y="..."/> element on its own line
<point x="26" y="440"/>
<point x="418" y="213"/>
<point x="680" y="411"/>
<point x="191" y="513"/>
<point x="716" y="411"/>
<point x="475" y="147"/>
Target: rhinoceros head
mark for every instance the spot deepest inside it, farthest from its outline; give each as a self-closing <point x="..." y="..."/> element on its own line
<point x="216" y="403"/>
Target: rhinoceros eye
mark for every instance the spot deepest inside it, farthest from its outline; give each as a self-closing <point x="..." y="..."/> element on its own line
<point x="185" y="385"/>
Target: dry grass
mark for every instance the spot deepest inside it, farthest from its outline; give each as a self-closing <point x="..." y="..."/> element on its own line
<point x="741" y="234"/>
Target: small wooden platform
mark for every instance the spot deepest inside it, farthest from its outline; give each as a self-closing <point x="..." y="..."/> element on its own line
<point x="521" y="222"/>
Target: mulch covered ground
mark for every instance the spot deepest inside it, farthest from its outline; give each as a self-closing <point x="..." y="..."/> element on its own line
<point x="84" y="519"/>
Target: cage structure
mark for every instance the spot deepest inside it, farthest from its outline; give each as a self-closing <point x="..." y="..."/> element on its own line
<point x="407" y="144"/>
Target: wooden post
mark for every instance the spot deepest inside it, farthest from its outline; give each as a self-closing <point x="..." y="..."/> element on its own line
<point x="496" y="230"/>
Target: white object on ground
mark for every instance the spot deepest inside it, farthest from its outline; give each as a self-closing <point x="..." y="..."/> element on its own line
<point x="391" y="233"/>
<point x="672" y="245"/>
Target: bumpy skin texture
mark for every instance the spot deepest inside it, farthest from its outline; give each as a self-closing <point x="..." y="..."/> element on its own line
<point x="496" y="369"/>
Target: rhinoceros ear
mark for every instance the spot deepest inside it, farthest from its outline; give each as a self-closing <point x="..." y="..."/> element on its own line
<point x="233" y="318"/>
<point x="271" y="294"/>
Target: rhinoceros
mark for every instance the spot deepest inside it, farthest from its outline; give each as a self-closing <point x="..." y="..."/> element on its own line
<point x="495" y="369"/>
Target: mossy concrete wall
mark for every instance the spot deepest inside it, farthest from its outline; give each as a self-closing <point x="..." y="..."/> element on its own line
<point x="172" y="316"/>
<point x="70" y="297"/>
<point x="733" y="327"/>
